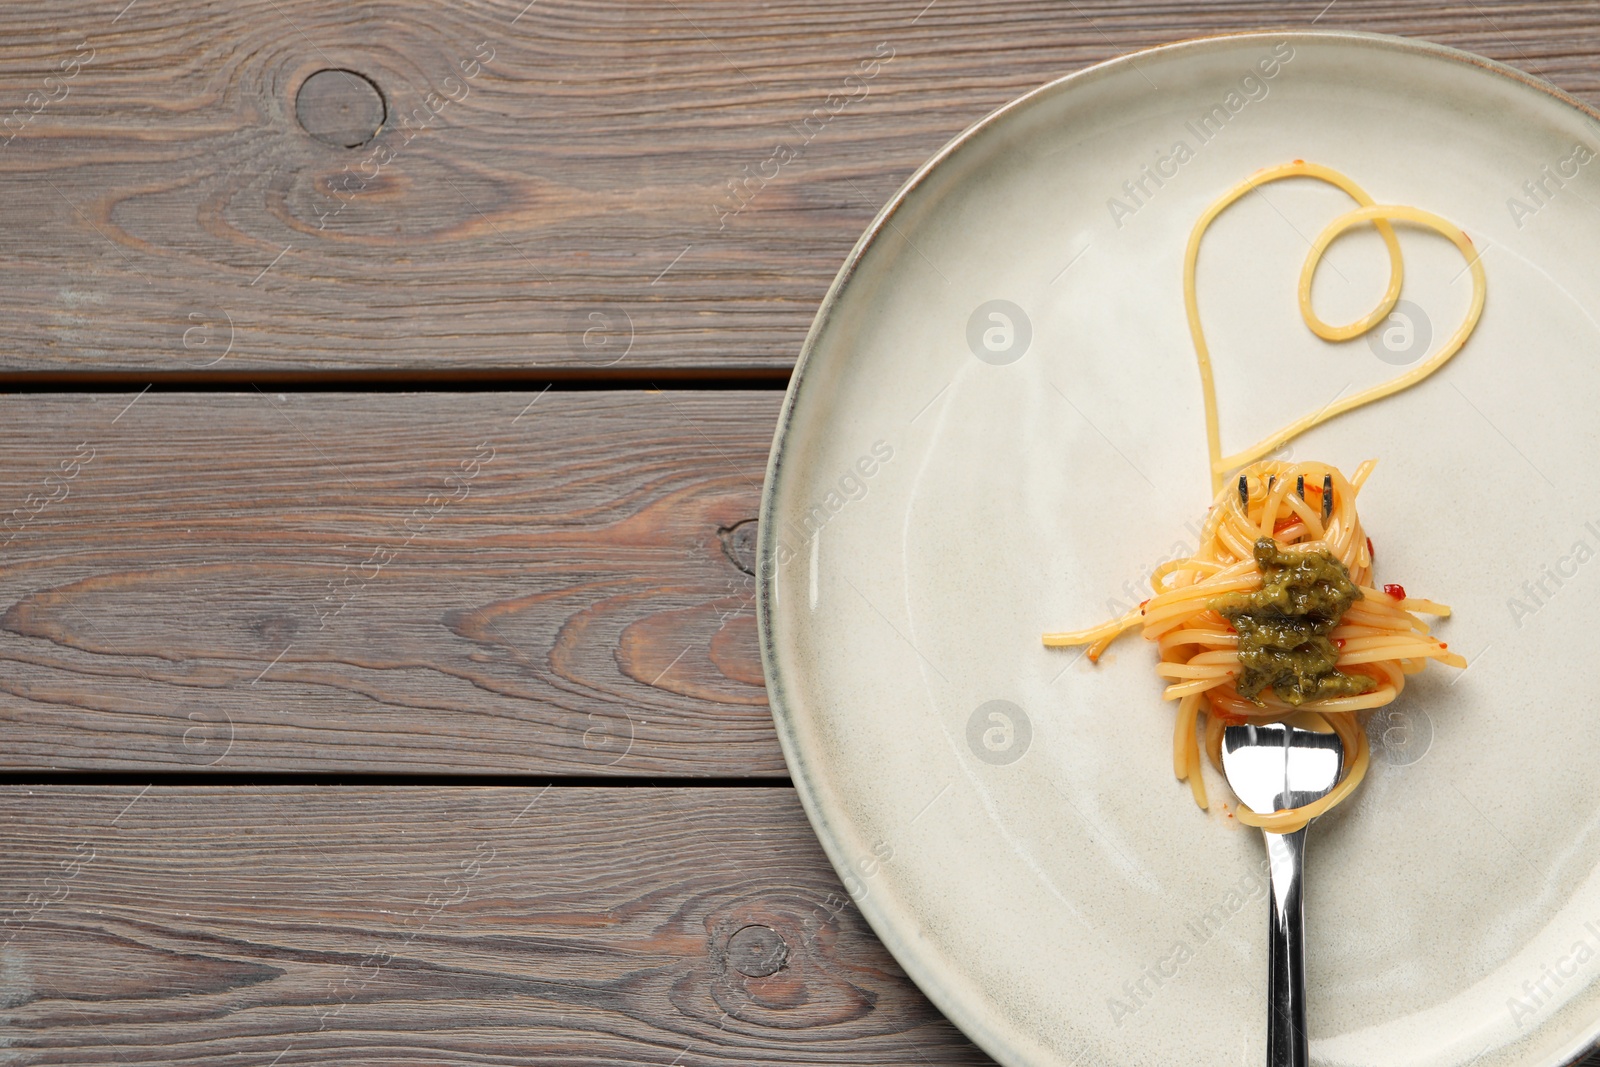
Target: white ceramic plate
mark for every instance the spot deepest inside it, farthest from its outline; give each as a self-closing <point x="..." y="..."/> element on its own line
<point x="946" y="485"/>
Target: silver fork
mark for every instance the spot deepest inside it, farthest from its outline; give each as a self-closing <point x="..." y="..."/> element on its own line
<point x="1273" y="767"/>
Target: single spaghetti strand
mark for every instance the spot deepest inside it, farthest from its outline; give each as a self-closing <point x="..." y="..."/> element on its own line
<point x="1298" y="168"/>
<point x="1380" y="215"/>
<point x="1452" y="345"/>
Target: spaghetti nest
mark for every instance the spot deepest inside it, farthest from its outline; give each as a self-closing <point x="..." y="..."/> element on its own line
<point x="1378" y="638"/>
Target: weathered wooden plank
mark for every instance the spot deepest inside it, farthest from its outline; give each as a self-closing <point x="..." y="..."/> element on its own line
<point x="385" y="927"/>
<point x="368" y="927"/>
<point x="509" y="583"/>
<point x="572" y="187"/>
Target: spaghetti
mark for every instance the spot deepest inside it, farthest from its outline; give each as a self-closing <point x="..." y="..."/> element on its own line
<point x="1380" y="215"/>
<point x="1288" y="512"/>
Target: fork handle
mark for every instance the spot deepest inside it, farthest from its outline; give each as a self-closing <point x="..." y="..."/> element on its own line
<point x="1286" y="975"/>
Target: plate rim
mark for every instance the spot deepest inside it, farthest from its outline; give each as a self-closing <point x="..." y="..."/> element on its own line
<point x="924" y="972"/>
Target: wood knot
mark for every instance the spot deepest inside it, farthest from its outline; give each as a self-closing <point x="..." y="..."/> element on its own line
<point x="757" y="951"/>
<point x="771" y="961"/>
<point x="341" y="108"/>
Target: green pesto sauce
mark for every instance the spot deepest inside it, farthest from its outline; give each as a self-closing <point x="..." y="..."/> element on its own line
<point x="1283" y="628"/>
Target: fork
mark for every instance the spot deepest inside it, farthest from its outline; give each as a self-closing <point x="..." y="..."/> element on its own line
<point x="1273" y="767"/>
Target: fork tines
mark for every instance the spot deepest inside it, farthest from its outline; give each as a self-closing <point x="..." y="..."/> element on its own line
<point x="1299" y="487"/>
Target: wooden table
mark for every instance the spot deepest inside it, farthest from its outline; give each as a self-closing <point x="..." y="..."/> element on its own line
<point x="381" y="466"/>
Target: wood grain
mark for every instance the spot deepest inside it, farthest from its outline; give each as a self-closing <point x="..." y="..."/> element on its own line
<point x="379" y="927"/>
<point x="504" y="583"/>
<point x="552" y="195"/>
<point x="388" y="927"/>
<point x="322" y="582"/>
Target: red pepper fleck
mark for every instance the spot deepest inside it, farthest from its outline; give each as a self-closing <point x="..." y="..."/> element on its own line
<point x="1142" y="603"/>
<point x="1443" y="645"/>
<point x="1396" y="591"/>
<point x="1338" y="642"/>
<point x="1370" y="553"/>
